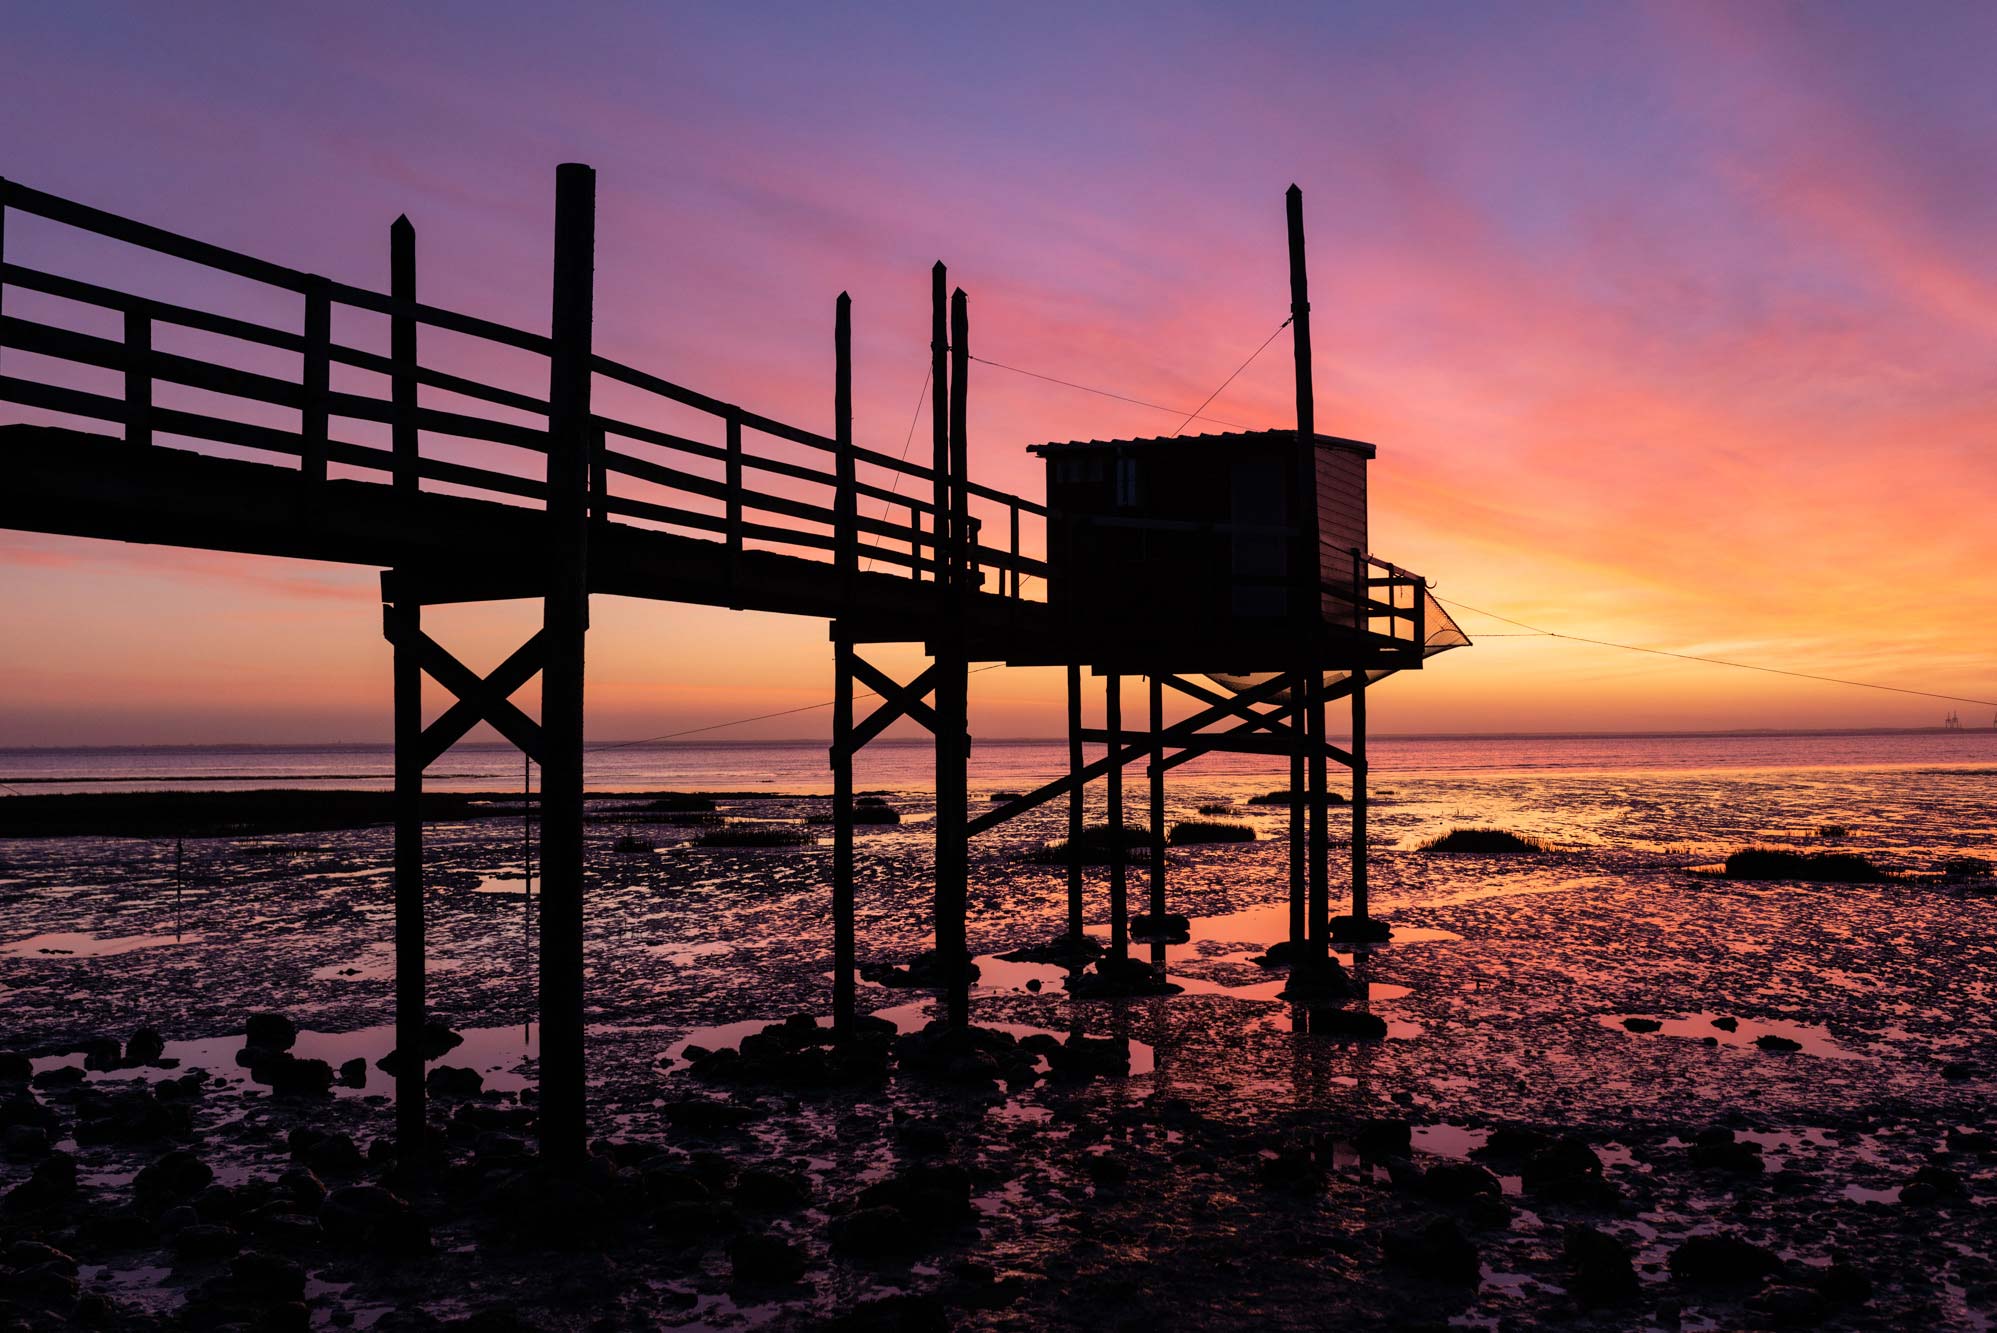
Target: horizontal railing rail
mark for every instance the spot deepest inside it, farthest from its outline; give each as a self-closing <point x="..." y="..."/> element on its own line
<point x="768" y="485"/>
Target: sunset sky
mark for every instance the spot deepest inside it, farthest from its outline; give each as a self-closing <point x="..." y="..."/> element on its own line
<point x="1675" y="325"/>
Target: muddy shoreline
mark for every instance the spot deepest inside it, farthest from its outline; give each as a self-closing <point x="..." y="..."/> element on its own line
<point x="1519" y="1133"/>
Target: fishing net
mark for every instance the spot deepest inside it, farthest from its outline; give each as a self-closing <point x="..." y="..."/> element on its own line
<point x="1442" y="634"/>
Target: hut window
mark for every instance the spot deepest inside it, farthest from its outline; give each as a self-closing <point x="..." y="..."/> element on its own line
<point x="1126" y="483"/>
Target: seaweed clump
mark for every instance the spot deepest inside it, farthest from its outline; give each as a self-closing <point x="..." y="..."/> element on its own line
<point x="1096" y="844"/>
<point x="1781" y="863"/>
<point x="1188" y="832"/>
<point x="1283" y="798"/>
<point x="1490" y="841"/>
<point x="756" y="835"/>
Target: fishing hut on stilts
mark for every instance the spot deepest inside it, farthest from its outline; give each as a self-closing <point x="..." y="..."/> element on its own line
<point x="1237" y="560"/>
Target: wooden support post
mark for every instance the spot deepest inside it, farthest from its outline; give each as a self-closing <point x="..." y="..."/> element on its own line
<point x="402" y="352"/>
<point x="138" y="378"/>
<point x="404" y="628"/>
<point x="565" y="613"/>
<point x="1119" y="856"/>
<point x="952" y="841"/>
<point x="1320" y="831"/>
<point x="1157" y="773"/>
<point x="599" y="477"/>
<point x="1075" y="811"/>
<point x="1299" y="822"/>
<point x="846" y="528"/>
<point x="939" y="422"/>
<point x="312" y="419"/>
<point x="1359" y="906"/>
<point x="842" y="833"/>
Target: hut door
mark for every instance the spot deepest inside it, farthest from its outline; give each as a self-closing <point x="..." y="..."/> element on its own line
<point x="1258" y="545"/>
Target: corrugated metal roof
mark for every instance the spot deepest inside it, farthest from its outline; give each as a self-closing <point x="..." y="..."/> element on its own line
<point x="1224" y="440"/>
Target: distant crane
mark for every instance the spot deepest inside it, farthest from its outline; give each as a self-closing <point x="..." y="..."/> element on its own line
<point x="1951" y="722"/>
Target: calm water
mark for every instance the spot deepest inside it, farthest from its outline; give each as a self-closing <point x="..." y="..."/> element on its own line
<point x="801" y="766"/>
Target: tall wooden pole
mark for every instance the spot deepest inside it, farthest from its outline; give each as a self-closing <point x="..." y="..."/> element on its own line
<point x="1075" y="809"/>
<point x="1308" y="571"/>
<point x="1119" y="916"/>
<point x="842" y="678"/>
<point x="402" y="355"/>
<point x="960" y="450"/>
<point x="566" y="623"/>
<point x="939" y="419"/>
<point x="405" y="623"/>
<point x="842" y="833"/>
<point x="1157" y="774"/>
<point x="846" y="532"/>
<point x="952" y="690"/>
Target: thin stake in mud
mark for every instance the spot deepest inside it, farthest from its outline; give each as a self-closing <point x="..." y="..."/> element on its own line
<point x="526" y="848"/>
<point x="179" y="879"/>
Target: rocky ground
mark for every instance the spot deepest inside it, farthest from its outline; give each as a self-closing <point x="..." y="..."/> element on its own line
<point x="1610" y="1094"/>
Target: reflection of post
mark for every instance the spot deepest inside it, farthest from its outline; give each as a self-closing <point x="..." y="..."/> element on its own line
<point x="1119" y="924"/>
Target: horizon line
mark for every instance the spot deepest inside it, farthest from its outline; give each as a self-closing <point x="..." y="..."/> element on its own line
<point x="1623" y="734"/>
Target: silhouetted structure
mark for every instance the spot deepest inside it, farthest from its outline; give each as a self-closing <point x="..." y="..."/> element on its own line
<point x="561" y="496"/>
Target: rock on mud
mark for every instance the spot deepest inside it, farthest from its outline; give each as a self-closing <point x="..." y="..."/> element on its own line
<point x="1723" y="1259"/>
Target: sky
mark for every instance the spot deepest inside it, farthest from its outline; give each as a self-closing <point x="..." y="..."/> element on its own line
<point x="1675" y="325"/>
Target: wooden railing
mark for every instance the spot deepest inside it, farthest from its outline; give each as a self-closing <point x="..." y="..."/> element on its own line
<point x="1384" y="599"/>
<point x="759" y="483"/>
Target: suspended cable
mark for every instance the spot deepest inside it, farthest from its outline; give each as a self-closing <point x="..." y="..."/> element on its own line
<point x="760" y="717"/>
<point x="894" y="486"/>
<point x="1105" y="393"/>
<point x="1230" y="379"/>
<point x="1718" y="661"/>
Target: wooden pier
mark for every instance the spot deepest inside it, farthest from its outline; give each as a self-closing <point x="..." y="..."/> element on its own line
<point x="461" y="490"/>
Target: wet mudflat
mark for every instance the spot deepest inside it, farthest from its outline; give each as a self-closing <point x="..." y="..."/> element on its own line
<point x="1611" y="1093"/>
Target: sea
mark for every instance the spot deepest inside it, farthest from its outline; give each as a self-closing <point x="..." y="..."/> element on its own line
<point x="801" y="766"/>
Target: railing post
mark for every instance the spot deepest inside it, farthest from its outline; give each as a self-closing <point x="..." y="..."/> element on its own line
<point x="565" y="618"/>
<point x="733" y="476"/>
<point x="1015" y="548"/>
<point x="138" y="378"/>
<point x="846" y="531"/>
<point x="402" y="351"/>
<point x="317" y="380"/>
